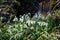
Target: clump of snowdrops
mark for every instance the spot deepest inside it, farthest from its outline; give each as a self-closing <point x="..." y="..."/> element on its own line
<point x="29" y="29"/>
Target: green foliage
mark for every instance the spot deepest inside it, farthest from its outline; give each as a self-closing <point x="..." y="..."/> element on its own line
<point x="57" y="18"/>
<point x="29" y="29"/>
<point x="57" y="13"/>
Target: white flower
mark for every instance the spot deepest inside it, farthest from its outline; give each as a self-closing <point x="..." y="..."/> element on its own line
<point x="40" y="16"/>
<point x="35" y="16"/>
<point x="45" y="24"/>
<point x="32" y="22"/>
<point x="15" y="19"/>
<point x="27" y="17"/>
<point x="42" y="24"/>
<point x="39" y="23"/>
<point x="28" y="22"/>
<point x="21" y="19"/>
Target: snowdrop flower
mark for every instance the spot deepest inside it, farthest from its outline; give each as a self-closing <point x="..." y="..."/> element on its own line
<point x="46" y="24"/>
<point x="43" y="23"/>
<point x="40" y="16"/>
<point x="21" y="19"/>
<point x="35" y="16"/>
<point x="15" y="19"/>
<point x="39" y="23"/>
<point x="28" y="22"/>
<point x="27" y="17"/>
<point x="32" y="22"/>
